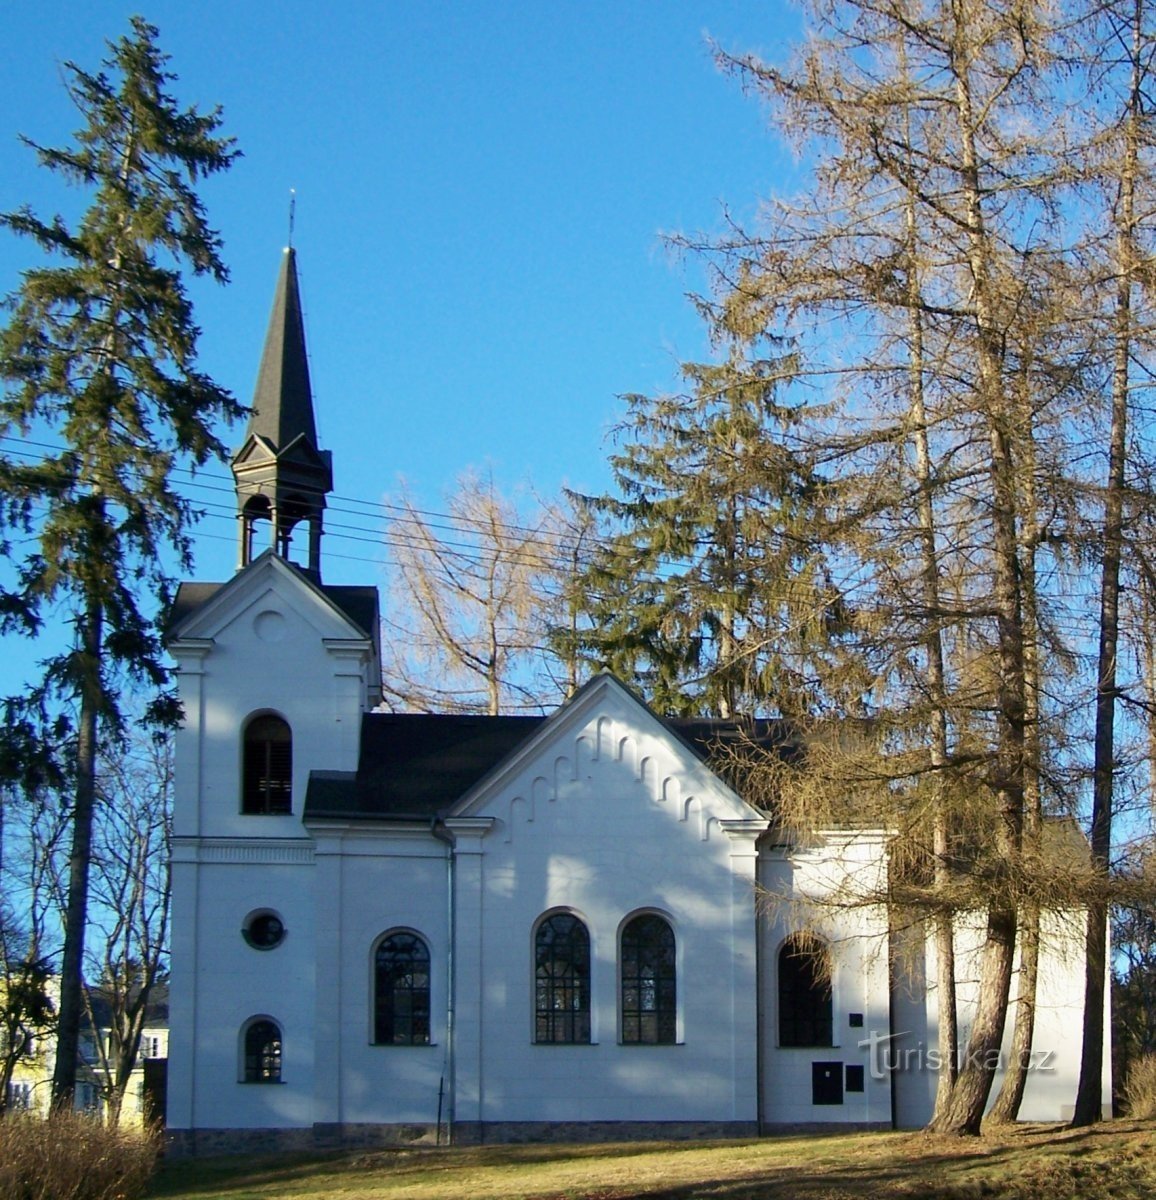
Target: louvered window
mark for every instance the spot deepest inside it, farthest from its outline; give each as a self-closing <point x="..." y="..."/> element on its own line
<point x="268" y="769"/>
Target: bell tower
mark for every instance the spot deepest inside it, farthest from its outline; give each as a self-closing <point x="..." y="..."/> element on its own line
<point x="281" y="476"/>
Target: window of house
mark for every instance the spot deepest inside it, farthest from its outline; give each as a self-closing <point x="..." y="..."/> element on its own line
<point x="804" y="993"/>
<point x="262" y="1052"/>
<point x="401" y="991"/>
<point x="648" y="981"/>
<point x="263" y="929"/>
<point x="267" y="783"/>
<point x="562" y="980"/>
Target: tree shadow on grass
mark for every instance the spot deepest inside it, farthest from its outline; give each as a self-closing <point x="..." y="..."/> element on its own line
<point x="1024" y="1163"/>
<point x="1054" y="1163"/>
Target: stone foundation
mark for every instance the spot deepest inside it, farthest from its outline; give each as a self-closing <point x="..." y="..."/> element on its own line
<point x="204" y="1142"/>
<point x="830" y="1128"/>
<point x="475" y="1133"/>
<point x="180" y="1143"/>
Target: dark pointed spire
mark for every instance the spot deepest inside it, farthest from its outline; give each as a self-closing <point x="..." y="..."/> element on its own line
<point x="283" y="400"/>
<point x="281" y="475"/>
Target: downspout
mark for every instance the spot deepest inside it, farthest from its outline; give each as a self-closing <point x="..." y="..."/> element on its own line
<point x="438" y="830"/>
<point x="761" y="1031"/>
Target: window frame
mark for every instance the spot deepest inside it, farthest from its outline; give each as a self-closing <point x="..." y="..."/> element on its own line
<point x="805" y="993"/>
<point x="570" y="1024"/>
<point x="261" y="1063"/>
<point x="415" y="1016"/>
<point x="264" y="929"/>
<point x="663" y="1011"/>
<point x="266" y="766"/>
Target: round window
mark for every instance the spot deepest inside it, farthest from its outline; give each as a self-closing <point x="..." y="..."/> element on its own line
<point x="263" y="930"/>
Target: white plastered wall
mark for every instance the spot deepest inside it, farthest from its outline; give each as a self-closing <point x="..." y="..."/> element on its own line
<point x="1054" y="1073"/>
<point x="372" y="881"/>
<point x="797" y="887"/>
<point x="606" y="816"/>
<point x="268" y="642"/>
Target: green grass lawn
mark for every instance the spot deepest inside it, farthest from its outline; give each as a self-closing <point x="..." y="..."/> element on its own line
<point x="1116" y="1160"/>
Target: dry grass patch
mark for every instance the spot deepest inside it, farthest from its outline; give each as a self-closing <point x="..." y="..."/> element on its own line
<point x="1140" y="1088"/>
<point x="71" y="1156"/>
<point x="1116" y="1160"/>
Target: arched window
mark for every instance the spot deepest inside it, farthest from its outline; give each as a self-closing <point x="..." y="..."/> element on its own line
<point x="267" y="783"/>
<point x="562" y="980"/>
<point x="256" y="508"/>
<point x="648" y="981"/>
<point x="262" y="1052"/>
<point x="804" y="992"/>
<point x="401" y="991"/>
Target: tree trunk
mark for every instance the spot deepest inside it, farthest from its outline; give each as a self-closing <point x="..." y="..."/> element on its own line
<point x="1006" y="1108"/>
<point x="1007" y="1104"/>
<point x="1088" y="1095"/>
<point x="944" y="925"/>
<point x="80" y="856"/>
<point x="964" y="1112"/>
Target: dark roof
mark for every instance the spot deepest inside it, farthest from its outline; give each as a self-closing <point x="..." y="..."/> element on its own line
<point x="712" y="737"/>
<point x="415" y="766"/>
<point x="283" y="398"/>
<point x="359" y="604"/>
<point x="190" y="597"/>
<point x="156" y="1009"/>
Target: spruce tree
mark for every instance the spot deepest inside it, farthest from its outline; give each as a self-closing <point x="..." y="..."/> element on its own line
<point x="707" y="592"/>
<point x="98" y="363"/>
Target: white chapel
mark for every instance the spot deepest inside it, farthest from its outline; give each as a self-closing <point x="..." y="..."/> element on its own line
<point x="406" y="927"/>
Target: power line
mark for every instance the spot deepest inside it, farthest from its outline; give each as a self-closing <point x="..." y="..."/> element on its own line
<point x="391" y="516"/>
<point x="407" y="528"/>
<point x="400" y="527"/>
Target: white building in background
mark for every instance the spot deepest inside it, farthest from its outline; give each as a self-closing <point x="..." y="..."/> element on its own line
<point x="399" y="927"/>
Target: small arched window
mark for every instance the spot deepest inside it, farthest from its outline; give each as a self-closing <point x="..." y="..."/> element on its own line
<point x="804" y="992"/>
<point x="562" y="980"/>
<point x="262" y="1052"/>
<point x="401" y="991"/>
<point x="267" y="782"/>
<point x="649" y="997"/>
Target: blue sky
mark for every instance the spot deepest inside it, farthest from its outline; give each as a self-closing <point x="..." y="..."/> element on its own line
<point x="481" y="190"/>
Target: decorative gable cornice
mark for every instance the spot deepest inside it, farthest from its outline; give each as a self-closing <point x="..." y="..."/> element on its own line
<point x="605" y="723"/>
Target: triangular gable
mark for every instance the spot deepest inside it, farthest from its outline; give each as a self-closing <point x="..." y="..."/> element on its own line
<point x="301" y="451"/>
<point x="256" y="449"/>
<point x="606" y="723"/>
<point x="259" y="451"/>
<point x="266" y="574"/>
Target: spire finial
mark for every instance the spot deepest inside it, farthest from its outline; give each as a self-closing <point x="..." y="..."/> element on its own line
<point x="292" y="213"/>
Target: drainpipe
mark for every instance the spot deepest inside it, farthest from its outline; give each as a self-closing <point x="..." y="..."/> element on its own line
<point x="438" y="830"/>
